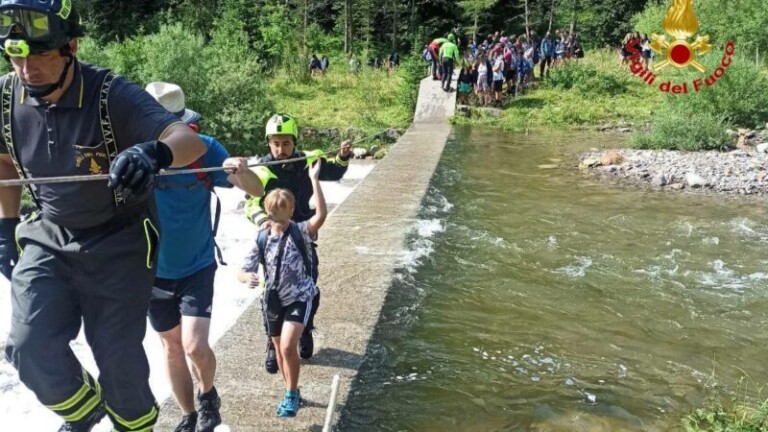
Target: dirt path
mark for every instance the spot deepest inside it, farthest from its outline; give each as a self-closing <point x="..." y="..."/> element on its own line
<point x="359" y="248"/>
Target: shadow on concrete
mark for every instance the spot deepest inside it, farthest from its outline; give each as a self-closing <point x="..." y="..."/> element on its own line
<point x="333" y="357"/>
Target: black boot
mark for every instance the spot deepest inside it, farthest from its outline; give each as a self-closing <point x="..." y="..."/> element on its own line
<point x="270" y="364"/>
<point x="86" y="424"/>
<point x="208" y="416"/>
<point x="188" y="423"/>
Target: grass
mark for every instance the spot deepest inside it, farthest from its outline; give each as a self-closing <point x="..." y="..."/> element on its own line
<point x="740" y="414"/>
<point x="558" y="104"/>
<point x="370" y="100"/>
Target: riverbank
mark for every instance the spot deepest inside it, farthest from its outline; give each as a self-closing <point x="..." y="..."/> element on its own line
<point x="592" y="93"/>
<point x="738" y="172"/>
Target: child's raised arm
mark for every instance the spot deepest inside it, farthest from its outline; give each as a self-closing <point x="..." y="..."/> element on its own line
<point x="321" y="210"/>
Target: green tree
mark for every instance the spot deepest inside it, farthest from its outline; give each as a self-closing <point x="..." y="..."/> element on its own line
<point x="474" y="9"/>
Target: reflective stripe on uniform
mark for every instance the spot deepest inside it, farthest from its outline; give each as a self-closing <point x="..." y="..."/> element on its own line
<point x="82" y="403"/>
<point x="141" y="424"/>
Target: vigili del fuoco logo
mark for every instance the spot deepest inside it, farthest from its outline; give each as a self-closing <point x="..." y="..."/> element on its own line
<point x="680" y="24"/>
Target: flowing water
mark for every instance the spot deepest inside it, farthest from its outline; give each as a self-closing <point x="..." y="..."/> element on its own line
<point x="534" y="298"/>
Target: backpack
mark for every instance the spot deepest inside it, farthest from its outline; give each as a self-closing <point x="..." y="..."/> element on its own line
<point x="206" y="181"/>
<point x="298" y="239"/>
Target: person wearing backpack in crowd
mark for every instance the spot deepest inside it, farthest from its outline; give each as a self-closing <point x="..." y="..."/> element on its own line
<point x="534" y="41"/>
<point x="87" y="258"/>
<point x="484" y="79"/>
<point x="354" y="63"/>
<point x="426" y="54"/>
<point x="434" y="50"/>
<point x="559" y="51"/>
<point x="647" y="51"/>
<point x="182" y="297"/>
<point x="314" y="66"/>
<point x="498" y="76"/>
<point x="547" y="54"/>
<point x="394" y="59"/>
<point x="282" y="249"/>
<point x="465" y="83"/>
<point x="523" y="69"/>
<point x="509" y="71"/>
<point x="282" y="134"/>
<point x="578" y="50"/>
<point x="449" y="56"/>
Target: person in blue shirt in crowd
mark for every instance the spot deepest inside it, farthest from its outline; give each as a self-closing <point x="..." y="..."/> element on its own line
<point x="547" y="54"/>
<point x="182" y="296"/>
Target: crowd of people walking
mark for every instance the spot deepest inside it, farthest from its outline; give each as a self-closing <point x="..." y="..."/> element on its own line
<point x="500" y="67"/>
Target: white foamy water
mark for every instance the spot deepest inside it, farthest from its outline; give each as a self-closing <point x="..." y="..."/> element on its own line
<point x="723" y="277"/>
<point x="576" y="269"/>
<point x="20" y="410"/>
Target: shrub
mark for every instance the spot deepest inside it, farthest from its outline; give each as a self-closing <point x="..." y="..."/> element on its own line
<point x="722" y="21"/>
<point x="683" y="130"/>
<point x="221" y="80"/>
<point x="740" y="96"/>
<point x="237" y="102"/>
<point x="589" y="80"/>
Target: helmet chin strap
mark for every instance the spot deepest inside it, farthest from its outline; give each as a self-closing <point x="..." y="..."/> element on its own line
<point x="46" y="89"/>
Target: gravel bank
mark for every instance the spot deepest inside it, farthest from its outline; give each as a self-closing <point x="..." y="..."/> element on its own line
<point x="738" y="172"/>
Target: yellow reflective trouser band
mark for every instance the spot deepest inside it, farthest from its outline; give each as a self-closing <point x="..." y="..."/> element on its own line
<point x="146" y="429"/>
<point x="82" y="403"/>
<point x="142" y="424"/>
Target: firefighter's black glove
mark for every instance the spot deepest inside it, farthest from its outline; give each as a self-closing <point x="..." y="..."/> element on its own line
<point x="133" y="170"/>
<point x="9" y="255"/>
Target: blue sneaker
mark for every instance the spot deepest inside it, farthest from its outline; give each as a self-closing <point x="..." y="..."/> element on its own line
<point x="290" y="404"/>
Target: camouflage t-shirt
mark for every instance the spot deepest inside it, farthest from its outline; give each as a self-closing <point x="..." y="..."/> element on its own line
<point x="295" y="284"/>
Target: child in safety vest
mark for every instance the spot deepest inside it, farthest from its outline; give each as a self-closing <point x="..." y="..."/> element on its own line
<point x="283" y="250"/>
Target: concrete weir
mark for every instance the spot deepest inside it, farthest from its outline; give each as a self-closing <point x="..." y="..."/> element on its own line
<point x="359" y="247"/>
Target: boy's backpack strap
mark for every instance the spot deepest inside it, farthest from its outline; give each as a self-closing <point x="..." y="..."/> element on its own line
<point x="298" y="240"/>
<point x="261" y="242"/>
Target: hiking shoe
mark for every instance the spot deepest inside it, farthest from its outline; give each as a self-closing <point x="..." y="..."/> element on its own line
<point x="208" y="416"/>
<point x="188" y="423"/>
<point x="86" y="424"/>
<point x="270" y="364"/>
<point x="306" y="345"/>
<point x="289" y="406"/>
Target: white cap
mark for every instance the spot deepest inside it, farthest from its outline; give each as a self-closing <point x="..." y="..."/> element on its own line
<point x="171" y="97"/>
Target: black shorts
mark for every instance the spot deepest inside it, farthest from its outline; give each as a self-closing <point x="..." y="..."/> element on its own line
<point x="277" y="314"/>
<point x="188" y="296"/>
<point x="497" y="85"/>
<point x="509" y="74"/>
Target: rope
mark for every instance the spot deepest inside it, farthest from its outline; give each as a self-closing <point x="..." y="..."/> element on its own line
<point x="103" y="177"/>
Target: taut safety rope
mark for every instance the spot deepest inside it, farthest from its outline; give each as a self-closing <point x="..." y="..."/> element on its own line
<point x="103" y="177"/>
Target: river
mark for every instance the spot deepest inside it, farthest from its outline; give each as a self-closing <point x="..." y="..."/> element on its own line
<point x="537" y="298"/>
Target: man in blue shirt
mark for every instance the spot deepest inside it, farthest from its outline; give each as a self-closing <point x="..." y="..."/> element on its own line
<point x="182" y="297"/>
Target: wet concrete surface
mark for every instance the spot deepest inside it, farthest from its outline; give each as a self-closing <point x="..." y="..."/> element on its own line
<point x="359" y="247"/>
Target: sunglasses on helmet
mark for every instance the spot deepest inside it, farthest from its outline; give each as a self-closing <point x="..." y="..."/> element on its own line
<point x="29" y="25"/>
